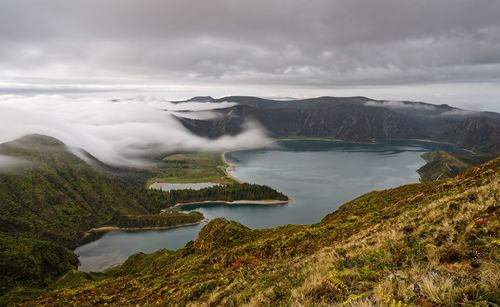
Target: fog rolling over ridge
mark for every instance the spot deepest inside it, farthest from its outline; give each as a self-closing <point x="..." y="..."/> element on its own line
<point x="117" y="132"/>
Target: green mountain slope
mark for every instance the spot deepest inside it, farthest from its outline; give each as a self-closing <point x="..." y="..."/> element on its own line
<point x="56" y="196"/>
<point x="442" y="164"/>
<point x="49" y="199"/>
<point x="434" y="243"/>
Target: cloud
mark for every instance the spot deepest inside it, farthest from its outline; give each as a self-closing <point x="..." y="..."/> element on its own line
<point x="8" y="163"/>
<point x="400" y="105"/>
<point x="118" y="132"/>
<point x="458" y="112"/>
<point x="95" y="44"/>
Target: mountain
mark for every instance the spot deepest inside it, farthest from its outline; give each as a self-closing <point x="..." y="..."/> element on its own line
<point x="48" y="198"/>
<point x="56" y="196"/>
<point x="428" y="244"/>
<point x="480" y="134"/>
<point x="358" y="119"/>
<point x="197" y="99"/>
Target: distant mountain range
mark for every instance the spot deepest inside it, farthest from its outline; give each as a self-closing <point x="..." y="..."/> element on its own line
<point x="358" y="119"/>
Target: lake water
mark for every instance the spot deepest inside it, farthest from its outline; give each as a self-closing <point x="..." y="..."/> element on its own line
<point x="318" y="175"/>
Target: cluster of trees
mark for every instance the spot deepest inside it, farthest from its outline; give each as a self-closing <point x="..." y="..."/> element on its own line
<point x="156" y="220"/>
<point x="232" y="192"/>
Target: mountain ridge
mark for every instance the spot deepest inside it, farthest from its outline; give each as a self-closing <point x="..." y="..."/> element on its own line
<point x="356" y="119"/>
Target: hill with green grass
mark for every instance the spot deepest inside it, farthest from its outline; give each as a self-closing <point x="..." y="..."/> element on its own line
<point x="428" y="244"/>
<point x="443" y="164"/>
<point x="49" y="197"/>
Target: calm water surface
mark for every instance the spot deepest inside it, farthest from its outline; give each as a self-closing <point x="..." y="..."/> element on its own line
<point x="318" y="175"/>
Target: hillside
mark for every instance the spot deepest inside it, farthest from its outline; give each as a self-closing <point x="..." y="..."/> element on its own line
<point x="434" y="243"/>
<point x="357" y="119"/>
<point x="49" y="199"/>
<point x="442" y="164"/>
<point x="53" y="195"/>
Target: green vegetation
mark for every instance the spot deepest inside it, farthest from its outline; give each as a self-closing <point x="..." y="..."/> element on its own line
<point x="56" y="196"/>
<point x="50" y="200"/>
<point x="426" y="244"/>
<point x="233" y="192"/>
<point x="47" y="203"/>
<point x="442" y="164"/>
<point x="191" y="168"/>
<point x="27" y="264"/>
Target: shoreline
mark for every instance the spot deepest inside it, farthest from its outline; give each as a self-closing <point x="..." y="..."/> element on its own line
<point x="445" y="143"/>
<point x="93" y="231"/>
<point x="229" y="168"/>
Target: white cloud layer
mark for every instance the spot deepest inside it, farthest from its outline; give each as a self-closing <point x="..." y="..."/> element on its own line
<point x="116" y="132"/>
<point x="7" y="163"/>
<point x="400" y="105"/>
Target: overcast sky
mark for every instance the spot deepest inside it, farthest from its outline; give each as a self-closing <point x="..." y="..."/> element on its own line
<point x="439" y="51"/>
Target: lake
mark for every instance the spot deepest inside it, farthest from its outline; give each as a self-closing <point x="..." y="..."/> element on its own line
<point x="318" y="175"/>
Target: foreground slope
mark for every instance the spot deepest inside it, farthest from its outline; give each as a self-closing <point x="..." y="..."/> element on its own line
<point x="434" y="243"/>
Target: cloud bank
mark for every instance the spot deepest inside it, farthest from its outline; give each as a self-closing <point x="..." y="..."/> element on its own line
<point x="118" y="44"/>
<point x="117" y="132"/>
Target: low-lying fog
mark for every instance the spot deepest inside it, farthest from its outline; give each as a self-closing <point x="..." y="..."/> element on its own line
<point x="117" y="132"/>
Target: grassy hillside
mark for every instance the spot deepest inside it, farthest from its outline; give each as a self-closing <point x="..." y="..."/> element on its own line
<point x="429" y="244"/>
<point x="49" y="199"/>
<point x="56" y="196"/>
<point x="442" y="164"/>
